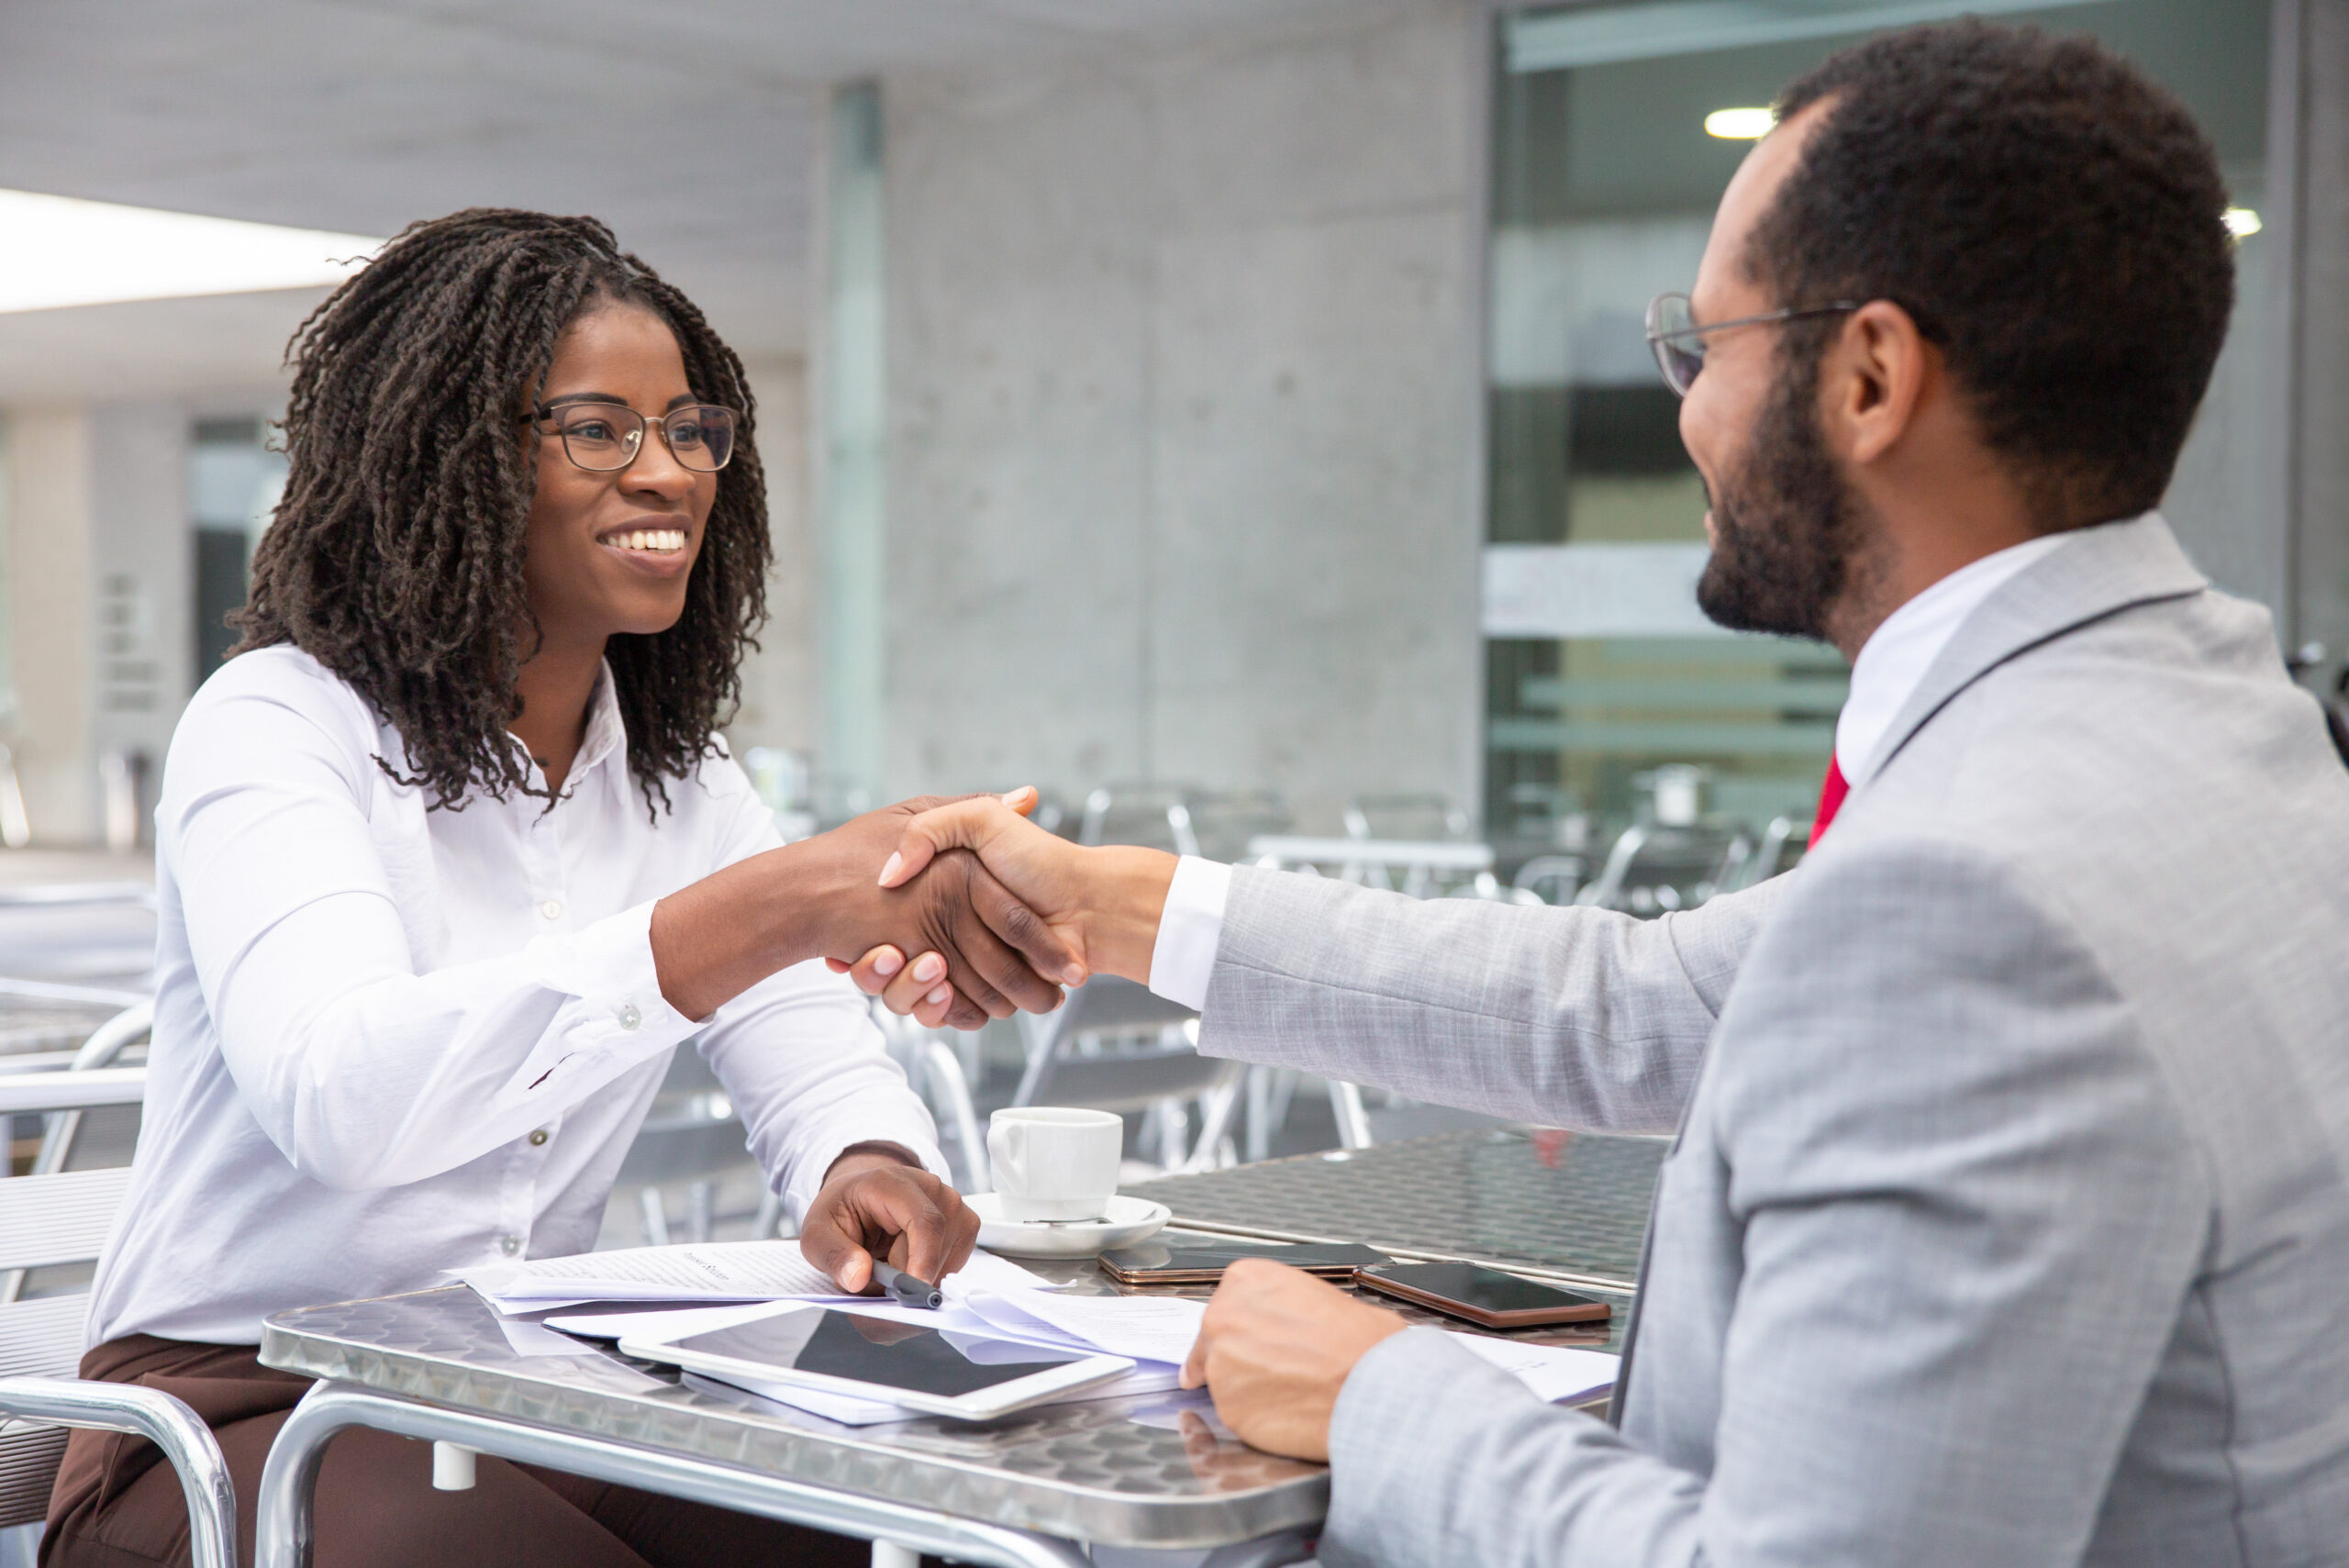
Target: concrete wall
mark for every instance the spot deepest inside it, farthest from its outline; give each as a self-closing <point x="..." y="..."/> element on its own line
<point x="1184" y="459"/>
<point x="100" y="597"/>
<point x="779" y="680"/>
<point x="51" y="610"/>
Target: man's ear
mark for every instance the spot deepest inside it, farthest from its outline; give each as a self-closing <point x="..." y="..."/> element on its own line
<point x="1873" y="379"/>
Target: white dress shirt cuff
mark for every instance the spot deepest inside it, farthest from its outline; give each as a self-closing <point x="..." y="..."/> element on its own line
<point x="911" y="1132"/>
<point x="618" y="1011"/>
<point x="1190" y="930"/>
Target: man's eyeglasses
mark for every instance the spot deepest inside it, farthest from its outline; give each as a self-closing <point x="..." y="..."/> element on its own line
<point x="1678" y="339"/>
<point x="605" y="437"/>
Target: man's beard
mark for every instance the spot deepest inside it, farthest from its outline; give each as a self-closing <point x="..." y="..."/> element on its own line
<point x="1784" y="522"/>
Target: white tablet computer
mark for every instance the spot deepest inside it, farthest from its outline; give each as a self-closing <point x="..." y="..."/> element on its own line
<point x="942" y="1374"/>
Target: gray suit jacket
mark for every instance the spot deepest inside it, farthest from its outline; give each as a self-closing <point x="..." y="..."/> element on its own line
<point x="2008" y="1222"/>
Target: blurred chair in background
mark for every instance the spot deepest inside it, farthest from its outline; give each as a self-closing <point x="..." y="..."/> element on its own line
<point x="1407" y="816"/>
<point x="53" y="1223"/>
<point x="1117" y="1046"/>
<point x="1676" y="856"/>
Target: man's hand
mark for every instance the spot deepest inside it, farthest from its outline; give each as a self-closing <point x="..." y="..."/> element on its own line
<point x="1103" y="904"/>
<point x="1274" y="1348"/>
<point x="876" y="1204"/>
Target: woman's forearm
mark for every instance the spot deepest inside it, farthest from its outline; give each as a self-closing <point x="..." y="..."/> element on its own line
<point x="724" y="934"/>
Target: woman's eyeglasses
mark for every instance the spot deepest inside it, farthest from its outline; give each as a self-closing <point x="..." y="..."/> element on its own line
<point x="1678" y="339"/>
<point x="605" y="437"/>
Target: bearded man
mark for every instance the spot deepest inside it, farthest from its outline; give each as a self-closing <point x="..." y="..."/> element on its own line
<point x="2007" y="1220"/>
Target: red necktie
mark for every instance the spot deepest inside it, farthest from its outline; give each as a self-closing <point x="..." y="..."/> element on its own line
<point x="1832" y="791"/>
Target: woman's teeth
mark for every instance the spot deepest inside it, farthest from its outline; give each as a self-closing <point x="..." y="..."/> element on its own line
<point x="658" y="541"/>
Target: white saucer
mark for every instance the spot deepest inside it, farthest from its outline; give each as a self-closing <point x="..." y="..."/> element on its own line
<point x="1129" y="1220"/>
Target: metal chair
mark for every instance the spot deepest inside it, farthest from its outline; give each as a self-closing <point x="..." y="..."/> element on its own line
<point x="1562" y="875"/>
<point x="931" y="1063"/>
<point x="63" y="1218"/>
<point x="1409" y="816"/>
<point x="1157" y="816"/>
<point x="1658" y="867"/>
<point x="1783" y="843"/>
<point x="88" y="933"/>
<point x="1425" y="866"/>
<point x="1154" y="1065"/>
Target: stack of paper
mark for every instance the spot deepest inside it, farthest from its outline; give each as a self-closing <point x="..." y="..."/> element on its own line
<point x="988" y="1296"/>
<point x="711" y="1271"/>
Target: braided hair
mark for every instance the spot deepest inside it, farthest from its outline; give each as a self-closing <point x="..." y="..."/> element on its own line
<point x="395" y="556"/>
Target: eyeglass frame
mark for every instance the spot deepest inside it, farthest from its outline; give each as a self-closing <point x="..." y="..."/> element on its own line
<point x="545" y="413"/>
<point x="1656" y="339"/>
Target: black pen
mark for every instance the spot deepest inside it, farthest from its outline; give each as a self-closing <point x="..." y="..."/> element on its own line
<point x="908" y="1290"/>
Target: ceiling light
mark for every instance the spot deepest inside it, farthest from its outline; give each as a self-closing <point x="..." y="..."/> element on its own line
<point x="2242" y="222"/>
<point x="1739" y="125"/>
<point x="64" y="251"/>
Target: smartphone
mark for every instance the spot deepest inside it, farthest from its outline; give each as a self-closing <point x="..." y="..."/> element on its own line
<point x="1486" y="1297"/>
<point x="1204" y="1264"/>
<point x="942" y="1373"/>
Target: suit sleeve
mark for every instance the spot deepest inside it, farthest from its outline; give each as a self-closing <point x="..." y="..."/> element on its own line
<point x="1570" y="1017"/>
<point x="1965" y="1215"/>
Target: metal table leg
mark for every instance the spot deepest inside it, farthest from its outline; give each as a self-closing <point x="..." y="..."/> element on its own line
<point x="284" y="1530"/>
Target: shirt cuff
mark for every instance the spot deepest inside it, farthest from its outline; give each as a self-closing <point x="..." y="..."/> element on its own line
<point x="1189" y="931"/>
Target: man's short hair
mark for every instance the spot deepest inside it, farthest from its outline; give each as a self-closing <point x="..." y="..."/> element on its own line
<point x="2051" y="218"/>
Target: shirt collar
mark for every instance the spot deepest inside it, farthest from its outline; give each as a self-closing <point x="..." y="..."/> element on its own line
<point x="1894" y="660"/>
<point x="605" y="734"/>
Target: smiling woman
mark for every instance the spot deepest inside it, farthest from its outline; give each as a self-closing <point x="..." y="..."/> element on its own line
<point x="451" y="858"/>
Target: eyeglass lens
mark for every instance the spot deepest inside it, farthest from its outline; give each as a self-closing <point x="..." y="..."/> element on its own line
<point x="604" y="437"/>
<point x="1679" y="350"/>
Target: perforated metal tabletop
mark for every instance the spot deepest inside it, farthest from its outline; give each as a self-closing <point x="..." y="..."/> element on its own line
<point x="1574" y="1208"/>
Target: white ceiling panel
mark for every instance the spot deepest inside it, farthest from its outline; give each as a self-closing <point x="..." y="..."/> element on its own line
<point x="690" y="127"/>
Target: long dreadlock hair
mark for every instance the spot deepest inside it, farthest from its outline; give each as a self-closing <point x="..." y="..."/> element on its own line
<point x="396" y="557"/>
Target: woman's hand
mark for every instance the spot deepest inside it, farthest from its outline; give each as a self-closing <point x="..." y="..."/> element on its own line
<point x="876" y="1203"/>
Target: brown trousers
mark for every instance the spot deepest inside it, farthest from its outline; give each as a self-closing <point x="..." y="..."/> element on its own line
<point x="117" y="1504"/>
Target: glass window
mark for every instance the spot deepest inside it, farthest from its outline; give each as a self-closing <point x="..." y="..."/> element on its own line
<point x="234" y="482"/>
<point x="1599" y="668"/>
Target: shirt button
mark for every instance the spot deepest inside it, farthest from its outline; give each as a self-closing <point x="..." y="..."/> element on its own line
<point x="630" y="1017"/>
<point x="538" y="1137"/>
<point x="509" y="1245"/>
<point x="551" y="908"/>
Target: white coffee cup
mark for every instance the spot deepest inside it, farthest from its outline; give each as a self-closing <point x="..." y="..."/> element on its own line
<point x="1052" y="1162"/>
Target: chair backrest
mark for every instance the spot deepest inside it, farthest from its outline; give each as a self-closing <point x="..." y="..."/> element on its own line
<point x="1421" y="868"/>
<point x="1157" y="816"/>
<point x="1411" y="815"/>
<point x="1222" y="822"/>
<point x="1553" y="879"/>
<point x="1784" y="844"/>
<point x="1655" y="868"/>
<point x="1162" y="1063"/>
<point x="47" y="1222"/>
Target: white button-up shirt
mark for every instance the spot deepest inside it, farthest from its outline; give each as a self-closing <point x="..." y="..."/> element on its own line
<point x="390" y="1042"/>
<point x="1891" y="664"/>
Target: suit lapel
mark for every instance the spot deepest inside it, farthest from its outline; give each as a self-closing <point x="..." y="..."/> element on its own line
<point x="2098" y="571"/>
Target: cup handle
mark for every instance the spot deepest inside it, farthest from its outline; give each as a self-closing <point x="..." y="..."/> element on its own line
<point x="1008" y="1151"/>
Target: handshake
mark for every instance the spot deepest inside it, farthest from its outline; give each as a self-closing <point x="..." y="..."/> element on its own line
<point x="1064" y="912"/>
<point x="953" y="911"/>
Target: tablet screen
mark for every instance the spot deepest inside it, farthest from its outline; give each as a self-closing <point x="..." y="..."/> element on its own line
<point x="874" y="1350"/>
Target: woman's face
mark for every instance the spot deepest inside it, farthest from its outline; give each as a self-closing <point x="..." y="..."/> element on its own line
<point x="611" y="552"/>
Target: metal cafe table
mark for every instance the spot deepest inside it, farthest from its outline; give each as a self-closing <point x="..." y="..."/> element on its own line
<point x="1146" y="1472"/>
<point x="1020" y="1491"/>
